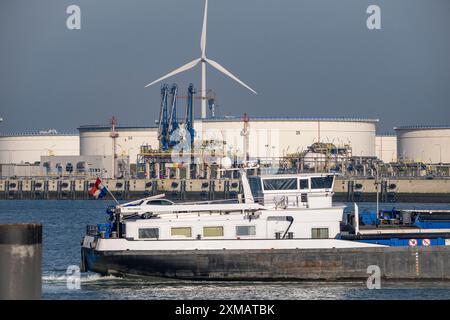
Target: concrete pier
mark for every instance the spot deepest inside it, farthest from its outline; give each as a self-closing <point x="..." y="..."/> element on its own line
<point x="20" y="261"/>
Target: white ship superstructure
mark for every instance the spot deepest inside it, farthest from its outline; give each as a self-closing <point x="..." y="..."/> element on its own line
<point x="282" y="227"/>
<point x="295" y="208"/>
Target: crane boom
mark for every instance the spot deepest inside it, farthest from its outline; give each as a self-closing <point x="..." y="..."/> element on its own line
<point x="189" y="121"/>
<point x="173" y="122"/>
<point x="163" y="120"/>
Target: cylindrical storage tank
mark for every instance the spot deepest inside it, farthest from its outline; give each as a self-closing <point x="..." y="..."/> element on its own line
<point x="276" y="137"/>
<point x="20" y="261"/>
<point x="428" y="144"/>
<point x="22" y="148"/>
<point x="96" y="140"/>
<point x="386" y="148"/>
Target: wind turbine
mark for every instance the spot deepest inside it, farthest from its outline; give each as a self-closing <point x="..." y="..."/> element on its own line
<point x="203" y="60"/>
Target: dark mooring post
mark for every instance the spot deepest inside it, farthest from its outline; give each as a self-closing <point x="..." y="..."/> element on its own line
<point x="20" y="261"/>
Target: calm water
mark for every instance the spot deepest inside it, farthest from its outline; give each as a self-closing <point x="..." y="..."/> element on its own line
<point x="64" y="225"/>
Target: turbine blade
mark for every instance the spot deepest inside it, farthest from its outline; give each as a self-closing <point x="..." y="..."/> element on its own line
<point x="228" y="73"/>
<point x="203" y="37"/>
<point x="187" y="66"/>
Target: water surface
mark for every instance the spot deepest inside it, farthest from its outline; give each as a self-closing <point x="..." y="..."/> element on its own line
<point x="64" y="225"/>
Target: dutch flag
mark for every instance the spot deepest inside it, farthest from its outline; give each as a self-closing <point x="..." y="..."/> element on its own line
<point x="98" y="190"/>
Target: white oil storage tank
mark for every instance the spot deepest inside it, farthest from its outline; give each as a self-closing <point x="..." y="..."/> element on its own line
<point x="29" y="147"/>
<point x="386" y="147"/>
<point x="428" y="144"/>
<point x="276" y="137"/>
<point x="96" y="140"/>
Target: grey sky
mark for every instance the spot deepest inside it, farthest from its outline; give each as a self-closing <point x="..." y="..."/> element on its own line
<point x="304" y="57"/>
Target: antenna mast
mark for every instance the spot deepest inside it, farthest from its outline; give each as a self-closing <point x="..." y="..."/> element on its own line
<point x="114" y="136"/>
<point x="245" y="134"/>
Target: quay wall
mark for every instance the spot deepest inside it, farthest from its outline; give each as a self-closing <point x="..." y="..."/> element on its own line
<point x="353" y="189"/>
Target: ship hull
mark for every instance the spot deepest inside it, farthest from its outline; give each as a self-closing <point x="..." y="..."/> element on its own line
<point x="395" y="263"/>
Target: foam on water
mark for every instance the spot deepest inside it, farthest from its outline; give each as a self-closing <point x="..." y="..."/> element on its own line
<point x="84" y="277"/>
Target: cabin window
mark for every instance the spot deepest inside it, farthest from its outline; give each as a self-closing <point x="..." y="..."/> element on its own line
<point x="304" y="184"/>
<point x="184" y="232"/>
<point x="149" y="233"/>
<point x="245" y="230"/>
<point x="255" y="187"/>
<point x="322" y="182"/>
<point x="280" y="184"/>
<point x="213" y="231"/>
<point x="319" y="233"/>
<point x="159" y="202"/>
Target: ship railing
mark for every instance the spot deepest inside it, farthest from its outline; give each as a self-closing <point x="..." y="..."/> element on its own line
<point x="234" y="200"/>
<point x="284" y="201"/>
<point x="92" y="230"/>
<point x="280" y="200"/>
<point x="253" y="213"/>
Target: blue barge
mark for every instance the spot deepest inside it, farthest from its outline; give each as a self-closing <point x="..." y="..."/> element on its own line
<point x="399" y="228"/>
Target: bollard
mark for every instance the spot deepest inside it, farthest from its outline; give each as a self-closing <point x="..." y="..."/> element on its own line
<point x="20" y="261"/>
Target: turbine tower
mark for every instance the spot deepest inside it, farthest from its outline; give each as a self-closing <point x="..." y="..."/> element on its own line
<point x="203" y="60"/>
